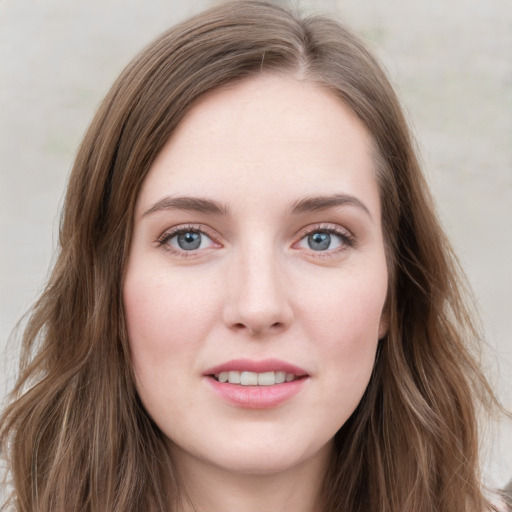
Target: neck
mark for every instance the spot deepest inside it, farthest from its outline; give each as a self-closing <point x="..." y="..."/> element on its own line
<point x="208" y="488"/>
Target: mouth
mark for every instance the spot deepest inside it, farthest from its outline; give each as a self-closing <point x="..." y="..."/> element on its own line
<point x="247" y="378"/>
<point x="256" y="384"/>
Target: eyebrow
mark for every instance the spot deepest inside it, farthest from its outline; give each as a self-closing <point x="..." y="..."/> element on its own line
<point x="319" y="203"/>
<point x="306" y="205"/>
<point x="192" y="204"/>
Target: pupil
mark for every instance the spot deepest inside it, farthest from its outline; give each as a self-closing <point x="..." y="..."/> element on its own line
<point x="319" y="241"/>
<point x="189" y="241"/>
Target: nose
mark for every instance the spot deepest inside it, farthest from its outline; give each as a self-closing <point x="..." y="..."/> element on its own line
<point x="257" y="295"/>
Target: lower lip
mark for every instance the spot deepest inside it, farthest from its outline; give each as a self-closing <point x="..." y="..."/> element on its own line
<point x="257" y="397"/>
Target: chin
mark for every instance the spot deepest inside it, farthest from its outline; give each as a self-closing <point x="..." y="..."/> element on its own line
<point x="258" y="457"/>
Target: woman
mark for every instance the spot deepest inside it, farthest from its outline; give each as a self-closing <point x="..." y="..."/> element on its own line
<point x="254" y="305"/>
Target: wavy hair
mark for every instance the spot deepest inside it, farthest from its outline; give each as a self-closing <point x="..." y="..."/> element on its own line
<point x="75" y="434"/>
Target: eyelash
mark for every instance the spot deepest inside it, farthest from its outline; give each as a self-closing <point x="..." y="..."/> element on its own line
<point x="179" y="230"/>
<point x="347" y="238"/>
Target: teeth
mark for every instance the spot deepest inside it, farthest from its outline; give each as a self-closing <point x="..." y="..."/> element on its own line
<point x="255" y="379"/>
<point x="249" y="379"/>
<point x="234" y="377"/>
<point x="266" y="379"/>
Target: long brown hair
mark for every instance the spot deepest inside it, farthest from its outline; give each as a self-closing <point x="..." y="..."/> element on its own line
<point x="76" y="436"/>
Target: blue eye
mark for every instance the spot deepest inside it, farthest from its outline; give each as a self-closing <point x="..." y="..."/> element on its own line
<point x="187" y="240"/>
<point x="326" y="239"/>
<point x="319" y="241"/>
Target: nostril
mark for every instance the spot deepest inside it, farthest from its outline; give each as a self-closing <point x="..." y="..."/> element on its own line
<point x="255" y="329"/>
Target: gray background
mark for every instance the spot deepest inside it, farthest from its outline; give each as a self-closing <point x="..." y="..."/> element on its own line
<point x="451" y="61"/>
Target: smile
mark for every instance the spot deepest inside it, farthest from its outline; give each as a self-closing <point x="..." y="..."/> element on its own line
<point x="246" y="378"/>
<point x="262" y="384"/>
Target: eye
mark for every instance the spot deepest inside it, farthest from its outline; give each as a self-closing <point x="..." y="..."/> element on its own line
<point x="326" y="239"/>
<point x="186" y="239"/>
<point x="322" y="241"/>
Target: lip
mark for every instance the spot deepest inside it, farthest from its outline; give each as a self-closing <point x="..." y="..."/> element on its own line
<point x="248" y="365"/>
<point x="256" y="397"/>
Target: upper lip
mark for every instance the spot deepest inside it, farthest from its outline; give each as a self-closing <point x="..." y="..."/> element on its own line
<point x="262" y="366"/>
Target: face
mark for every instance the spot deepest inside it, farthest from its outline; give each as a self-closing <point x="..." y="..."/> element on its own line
<point x="257" y="277"/>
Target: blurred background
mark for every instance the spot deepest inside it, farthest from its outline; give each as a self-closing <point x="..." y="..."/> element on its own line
<point x="450" y="60"/>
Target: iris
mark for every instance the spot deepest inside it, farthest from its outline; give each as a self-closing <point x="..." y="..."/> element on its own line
<point x="319" y="241"/>
<point x="189" y="240"/>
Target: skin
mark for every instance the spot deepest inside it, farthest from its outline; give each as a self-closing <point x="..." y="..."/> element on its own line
<point x="255" y="289"/>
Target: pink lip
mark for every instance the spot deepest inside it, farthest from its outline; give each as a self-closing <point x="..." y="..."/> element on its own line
<point x="247" y="365"/>
<point x="256" y="397"/>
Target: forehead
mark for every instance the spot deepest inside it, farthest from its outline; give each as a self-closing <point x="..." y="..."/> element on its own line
<point x="266" y="135"/>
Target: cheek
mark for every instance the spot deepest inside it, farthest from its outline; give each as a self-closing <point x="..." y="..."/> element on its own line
<point x="346" y="309"/>
<point x="346" y="331"/>
<point x="165" y="323"/>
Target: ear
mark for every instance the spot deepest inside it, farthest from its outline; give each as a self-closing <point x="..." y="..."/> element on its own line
<point x="384" y="324"/>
